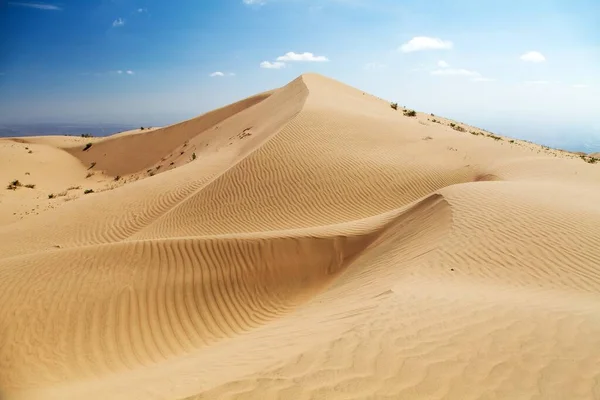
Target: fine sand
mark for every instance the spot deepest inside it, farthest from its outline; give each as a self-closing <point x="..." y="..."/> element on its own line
<point x="305" y="243"/>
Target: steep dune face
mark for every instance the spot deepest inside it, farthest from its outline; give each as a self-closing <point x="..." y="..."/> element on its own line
<point x="321" y="245"/>
<point x="122" y="155"/>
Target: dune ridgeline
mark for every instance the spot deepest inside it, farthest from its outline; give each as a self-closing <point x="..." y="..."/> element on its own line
<point x="310" y="242"/>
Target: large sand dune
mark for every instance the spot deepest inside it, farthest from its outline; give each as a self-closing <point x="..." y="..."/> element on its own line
<point x="305" y="243"/>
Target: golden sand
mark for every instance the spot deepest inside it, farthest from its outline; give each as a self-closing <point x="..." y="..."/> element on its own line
<point x="305" y="243"/>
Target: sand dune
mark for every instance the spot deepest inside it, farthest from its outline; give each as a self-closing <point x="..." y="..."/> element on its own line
<point x="308" y="242"/>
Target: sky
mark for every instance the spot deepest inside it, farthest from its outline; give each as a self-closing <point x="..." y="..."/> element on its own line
<point x="528" y="69"/>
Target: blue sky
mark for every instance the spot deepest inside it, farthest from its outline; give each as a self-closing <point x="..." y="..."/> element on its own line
<point x="530" y="68"/>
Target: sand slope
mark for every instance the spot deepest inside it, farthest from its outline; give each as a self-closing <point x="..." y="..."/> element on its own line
<point x="319" y="245"/>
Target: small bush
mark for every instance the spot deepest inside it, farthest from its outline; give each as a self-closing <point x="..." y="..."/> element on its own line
<point x="459" y="128"/>
<point x="87" y="146"/>
<point x="88" y="191"/>
<point x="394" y="106"/>
<point x="452" y="124"/>
<point x="141" y="128"/>
<point x="92" y="165"/>
<point x="117" y="178"/>
<point x="432" y="115"/>
<point x="511" y="141"/>
<point x="193" y="156"/>
<point x="30" y="151"/>
<point x="494" y="136"/>
<point x="86" y="135"/>
<point x="410" y="113"/>
<point x="74" y="188"/>
<point x="51" y="196"/>
<point x="13" y="185"/>
<point x="89" y="175"/>
<point x="590" y="159"/>
<point x="30" y="186"/>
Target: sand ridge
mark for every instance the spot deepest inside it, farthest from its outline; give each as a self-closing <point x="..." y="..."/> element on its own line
<point x="318" y="245"/>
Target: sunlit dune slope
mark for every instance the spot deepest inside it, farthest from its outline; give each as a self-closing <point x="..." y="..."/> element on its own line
<point x="319" y="244"/>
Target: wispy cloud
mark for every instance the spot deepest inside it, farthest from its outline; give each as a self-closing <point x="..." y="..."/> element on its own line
<point x="39" y="6"/>
<point x="272" y="65"/>
<point x="142" y="10"/>
<point x="309" y="57"/>
<point x="455" y="71"/>
<point x="580" y="86"/>
<point x="420" y="43"/>
<point x="445" y="70"/>
<point x="533" y="56"/>
<point x="129" y="72"/>
<point x="254" y="2"/>
<point x="118" y="22"/>
<point x="219" y="74"/>
<point x="374" y="66"/>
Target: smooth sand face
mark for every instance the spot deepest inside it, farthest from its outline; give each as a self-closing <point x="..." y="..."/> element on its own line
<point x="304" y="243"/>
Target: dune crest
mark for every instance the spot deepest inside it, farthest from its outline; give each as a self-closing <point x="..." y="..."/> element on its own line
<point x="307" y="242"/>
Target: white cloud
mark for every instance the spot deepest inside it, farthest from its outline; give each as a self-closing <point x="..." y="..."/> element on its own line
<point x="291" y="56"/>
<point x="540" y="82"/>
<point x="255" y="2"/>
<point x="119" y="72"/>
<point x="443" y="64"/>
<point x="533" y="56"/>
<point x="142" y="10"/>
<point x="482" y="79"/>
<point x="419" y="43"/>
<point x="272" y="65"/>
<point x="580" y="86"/>
<point x="374" y="66"/>
<point x="456" y="72"/>
<point x="39" y="6"/>
<point x="129" y="72"/>
<point x="118" y="22"/>
<point x="217" y="73"/>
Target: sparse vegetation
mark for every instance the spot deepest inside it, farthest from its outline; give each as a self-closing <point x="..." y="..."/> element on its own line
<point x="87" y="146"/>
<point x="193" y="156"/>
<point x="141" y="128"/>
<point x="51" y="196"/>
<point x="90" y="174"/>
<point x="590" y="159"/>
<point x="171" y="163"/>
<point x="151" y="173"/>
<point x="491" y="135"/>
<point x="86" y="135"/>
<point x="452" y="124"/>
<point x="92" y="165"/>
<point x="117" y="178"/>
<point x="410" y="113"/>
<point x="394" y="106"/>
<point x="88" y="191"/>
<point x="30" y="186"/>
<point x="432" y="115"/>
<point x="74" y="188"/>
<point x="511" y="141"/>
<point x="458" y="128"/>
<point x="13" y="185"/>
<point x="30" y="151"/>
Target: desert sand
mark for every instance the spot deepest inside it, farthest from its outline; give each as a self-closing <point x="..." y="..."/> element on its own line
<point x="306" y="243"/>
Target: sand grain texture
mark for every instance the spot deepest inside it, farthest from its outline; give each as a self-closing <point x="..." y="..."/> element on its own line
<point x="318" y="245"/>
